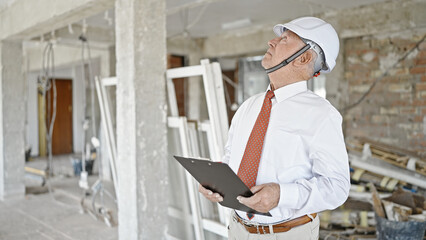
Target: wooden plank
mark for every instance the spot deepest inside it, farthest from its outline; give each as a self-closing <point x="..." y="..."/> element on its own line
<point x="388" y="148"/>
<point x="376" y="166"/>
<point x="377" y="203"/>
<point x="393" y="158"/>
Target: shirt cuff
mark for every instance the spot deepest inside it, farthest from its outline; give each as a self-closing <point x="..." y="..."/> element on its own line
<point x="289" y="195"/>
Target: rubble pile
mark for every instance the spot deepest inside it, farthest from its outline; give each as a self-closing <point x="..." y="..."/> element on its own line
<point x="388" y="186"/>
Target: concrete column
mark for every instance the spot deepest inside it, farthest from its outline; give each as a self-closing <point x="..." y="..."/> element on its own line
<point x="141" y="119"/>
<point x="12" y="121"/>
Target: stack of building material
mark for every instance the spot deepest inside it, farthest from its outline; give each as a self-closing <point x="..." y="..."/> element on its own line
<point x="393" y="155"/>
<point x="387" y="168"/>
<point x="396" y="173"/>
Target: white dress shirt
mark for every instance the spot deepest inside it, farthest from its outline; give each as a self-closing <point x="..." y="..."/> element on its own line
<point x="304" y="151"/>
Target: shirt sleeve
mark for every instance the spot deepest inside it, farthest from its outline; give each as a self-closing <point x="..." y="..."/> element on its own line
<point x="330" y="184"/>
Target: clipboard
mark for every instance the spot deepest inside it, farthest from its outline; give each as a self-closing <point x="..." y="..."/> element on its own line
<point x="219" y="177"/>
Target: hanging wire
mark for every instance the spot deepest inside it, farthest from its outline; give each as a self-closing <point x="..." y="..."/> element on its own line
<point x="92" y="90"/>
<point x="196" y="19"/>
<point x="46" y="82"/>
<point x="85" y="46"/>
<point x="102" y="212"/>
<point x="386" y="73"/>
<point x="84" y="121"/>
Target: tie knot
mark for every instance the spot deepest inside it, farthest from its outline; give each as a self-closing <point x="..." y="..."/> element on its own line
<point x="270" y="94"/>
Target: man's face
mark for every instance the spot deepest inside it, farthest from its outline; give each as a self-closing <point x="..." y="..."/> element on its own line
<point x="280" y="48"/>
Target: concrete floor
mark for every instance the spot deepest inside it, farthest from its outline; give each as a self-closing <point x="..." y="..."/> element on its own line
<point x="57" y="215"/>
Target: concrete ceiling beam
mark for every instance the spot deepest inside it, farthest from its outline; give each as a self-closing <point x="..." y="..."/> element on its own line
<point x="190" y="5"/>
<point x="25" y="19"/>
<point x="96" y="36"/>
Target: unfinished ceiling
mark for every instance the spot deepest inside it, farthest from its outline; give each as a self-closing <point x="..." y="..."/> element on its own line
<point x="203" y="18"/>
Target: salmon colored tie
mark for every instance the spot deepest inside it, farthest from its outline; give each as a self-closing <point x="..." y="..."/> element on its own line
<point x="251" y="158"/>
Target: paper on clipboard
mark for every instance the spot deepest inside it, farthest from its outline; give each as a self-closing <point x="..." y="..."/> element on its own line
<point x="219" y="178"/>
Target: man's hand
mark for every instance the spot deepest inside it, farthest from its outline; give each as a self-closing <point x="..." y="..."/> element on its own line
<point x="214" y="197"/>
<point x="265" y="198"/>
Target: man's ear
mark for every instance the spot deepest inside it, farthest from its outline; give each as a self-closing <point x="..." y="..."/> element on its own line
<point x="304" y="59"/>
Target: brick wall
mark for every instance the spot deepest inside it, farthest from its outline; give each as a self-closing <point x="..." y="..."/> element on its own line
<point x="394" y="112"/>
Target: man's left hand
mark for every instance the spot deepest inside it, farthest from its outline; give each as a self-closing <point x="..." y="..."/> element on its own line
<point x="266" y="197"/>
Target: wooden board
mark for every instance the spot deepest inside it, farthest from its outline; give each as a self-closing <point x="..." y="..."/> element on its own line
<point x="387" y="154"/>
<point x="377" y="203"/>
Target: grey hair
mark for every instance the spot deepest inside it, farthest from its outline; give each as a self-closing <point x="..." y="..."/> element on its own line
<point x="319" y="61"/>
<point x="313" y="63"/>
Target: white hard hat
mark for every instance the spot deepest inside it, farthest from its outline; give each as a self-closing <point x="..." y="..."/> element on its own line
<point x="318" y="31"/>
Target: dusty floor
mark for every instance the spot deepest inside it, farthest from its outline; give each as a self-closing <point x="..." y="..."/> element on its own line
<point x="57" y="215"/>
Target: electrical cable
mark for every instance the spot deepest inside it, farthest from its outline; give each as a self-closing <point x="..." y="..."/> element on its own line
<point x="92" y="90"/>
<point x="85" y="45"/>
<point x="100" y="213"/>
<point x="47" y="82"/>
<point x="83" y="77"/>
<point x="197" y="18"/>
<point x="350" y="106"/>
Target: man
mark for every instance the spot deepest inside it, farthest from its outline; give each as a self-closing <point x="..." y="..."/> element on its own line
<point x="287" y="144"/>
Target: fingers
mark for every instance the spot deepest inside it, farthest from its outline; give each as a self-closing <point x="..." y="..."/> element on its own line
<point x="253" y="199"/>
<point x="214" y="197"/>
<point x="250" y="202"/>
<point x="265" y="198"/>
<point x="203" y="190"/>
<point x="256" y="188"/>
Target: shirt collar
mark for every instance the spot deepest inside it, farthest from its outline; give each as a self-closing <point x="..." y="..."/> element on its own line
<point x="290" y="90"/>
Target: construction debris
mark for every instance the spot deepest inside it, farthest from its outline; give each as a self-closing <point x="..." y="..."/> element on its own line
<point x="388" y="187"/>
<point x="390" y="154"/>
<point x="396" y="212"/>
<point x="377" y="204"/>
<point x="415" y="202"/>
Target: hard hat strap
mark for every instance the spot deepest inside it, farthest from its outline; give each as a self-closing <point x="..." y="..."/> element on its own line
<point x="288" y="60"/>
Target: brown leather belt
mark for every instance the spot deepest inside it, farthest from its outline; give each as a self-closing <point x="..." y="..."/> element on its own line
<point x="278" y="228"/>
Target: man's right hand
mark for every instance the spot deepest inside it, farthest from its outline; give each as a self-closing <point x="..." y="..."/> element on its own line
<point x="214" y="197"/>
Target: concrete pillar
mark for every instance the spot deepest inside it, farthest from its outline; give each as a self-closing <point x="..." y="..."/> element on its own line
<point x="141" y="119"/>
<point x="12" y="121"/>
